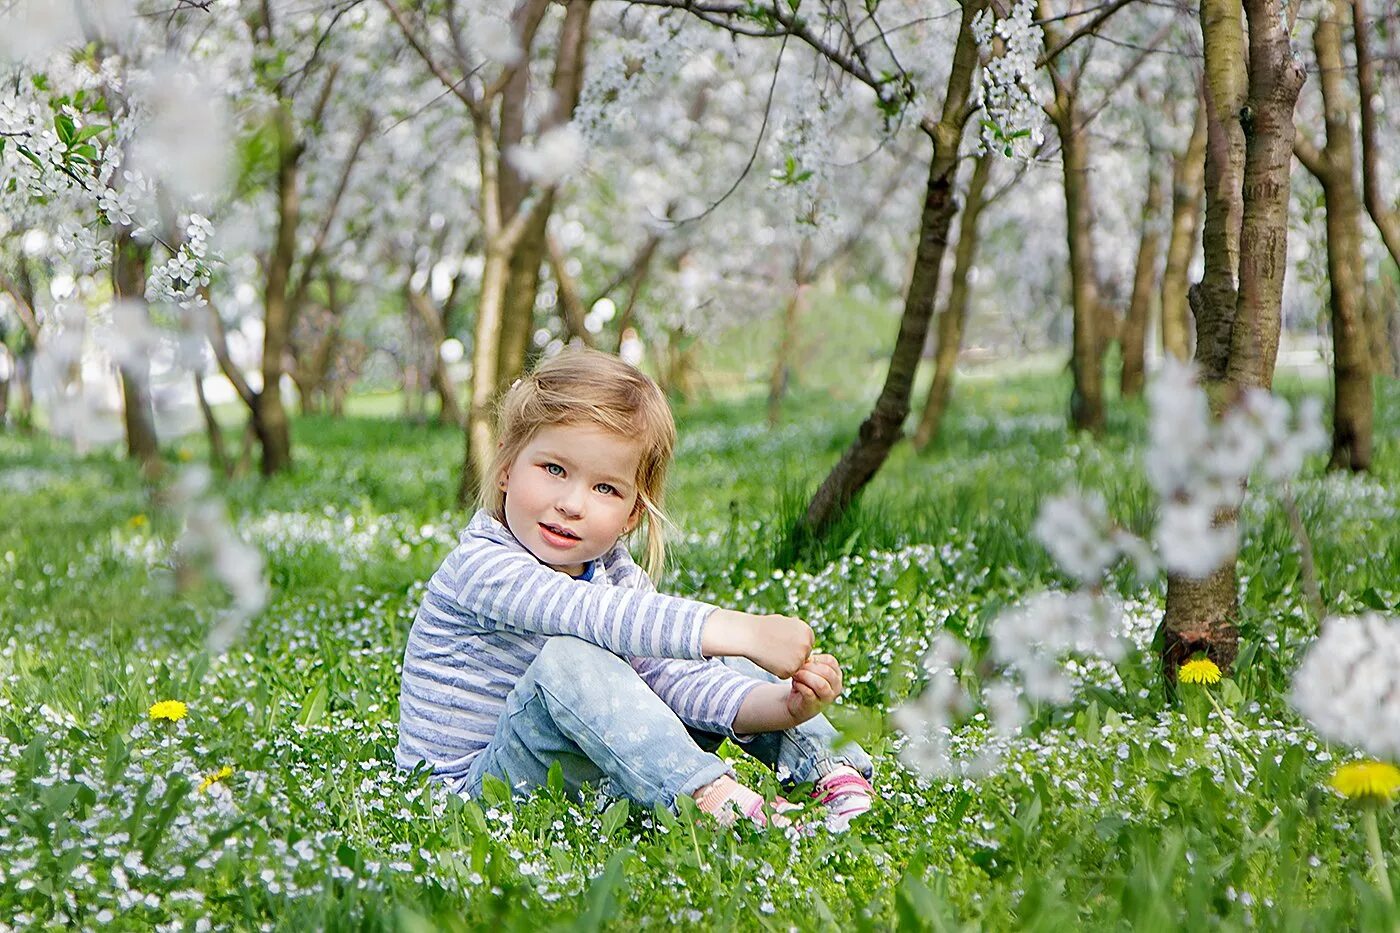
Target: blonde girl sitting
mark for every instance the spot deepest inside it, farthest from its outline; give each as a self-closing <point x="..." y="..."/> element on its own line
<point x="540" y="640"/>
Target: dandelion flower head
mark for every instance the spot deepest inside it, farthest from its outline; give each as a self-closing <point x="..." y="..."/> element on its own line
<point x="1201" y="671"/>
<point x="216" y="777"/>
<point x="170" y="710"/>
<point x="1367" y="781"/>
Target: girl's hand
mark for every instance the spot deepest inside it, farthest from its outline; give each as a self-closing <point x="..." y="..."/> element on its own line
<point x="778" y="644"/>
<point x="814" y="687"/>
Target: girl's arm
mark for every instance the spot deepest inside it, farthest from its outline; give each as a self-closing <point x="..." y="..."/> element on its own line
<point x="493" y="586"/>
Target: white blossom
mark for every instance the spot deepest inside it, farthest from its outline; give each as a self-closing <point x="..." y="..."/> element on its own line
<point x="1348" y="685"/>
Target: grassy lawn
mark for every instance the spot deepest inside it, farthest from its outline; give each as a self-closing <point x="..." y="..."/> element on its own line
<point x="1118" y="811"/>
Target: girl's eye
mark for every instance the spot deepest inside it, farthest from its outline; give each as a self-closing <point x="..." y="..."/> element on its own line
<point x="554" y="469"/>
<point x="605" y="489"/>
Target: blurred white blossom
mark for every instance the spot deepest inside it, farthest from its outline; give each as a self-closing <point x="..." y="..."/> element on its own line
<point x="554" y="156"/>
<point x="1348" y="685"/>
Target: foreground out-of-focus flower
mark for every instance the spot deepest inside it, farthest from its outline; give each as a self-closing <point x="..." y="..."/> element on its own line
<point x="1367" y="781"/>
<point x="1200" y="671"/>
<point x="1348" y="685"/>
<point x="215" y="777"/>
<point x="169" y="710"/>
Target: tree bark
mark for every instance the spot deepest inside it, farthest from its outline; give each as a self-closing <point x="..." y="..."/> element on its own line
<point x="1134" y="335"/>
<point x="522" y="285"/>
<point x="884" y="426"/>
<point x="1092" y="326"/>
<point x="218" y="456"/>
<point x="570" y="301"/>
<point x="1187" y="182"/>
<point x="129" y="262"/>
<point x="1334" y="166"/>
<point x="450" y="408"/>
<point x="952" y="319"/>
<point x="1248" y="154"/>
<point x="270" y="420"/>
<point x="1384" y="319"/>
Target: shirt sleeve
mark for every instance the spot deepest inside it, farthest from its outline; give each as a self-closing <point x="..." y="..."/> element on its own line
<point x="508" y="590"/>
<point x="704" y="694"/>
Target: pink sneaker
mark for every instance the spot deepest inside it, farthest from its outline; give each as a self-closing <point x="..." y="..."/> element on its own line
<point x="845" y="794"/>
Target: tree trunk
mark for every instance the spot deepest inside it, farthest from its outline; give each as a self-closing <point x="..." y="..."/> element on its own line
<point x="885" y="424"/>
<point x="218" y="456"/>
<point x="1385" y="323"/>
<point x="486" y="341"/>
<point x="1187" y="180"/>
<point x="1091" y="336"/>
<point x="24" y="376"/>
<point x="1248" y="154"/>
<point x="570" y="301"/>
<point x="270" y="420"/>
<point x="1335" y="168"/>
<point x="522" y="284"/>
<point x="1134" y="336"/>
<point x="450" y="408"/>
<point x="779" y="376"/>
<point x="129" y="261"/>
<point x="953" y="317"/>
<point x="522" y="288"/>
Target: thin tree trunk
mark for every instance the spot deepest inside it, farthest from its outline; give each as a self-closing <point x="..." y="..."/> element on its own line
<point x="270" y="417"/>
<point x="480" y="431"/>
<point x="1092" y="325"/>
<point x="1187" y="182"/>
<point x="449" y="408"/>
<point x="4" y="399"/>
<point x="1383" y="318"/>
<point x="952" y="319"/>
<point x="885" y="424"/>
<point x="787" y="339"/>
<point x="1134" y="336"/>
<point x="218" y="456"/>
<point x="570" y="301"/>
<point x="1335" y="168"/>
<point x="1238" y="304"/>
<point x="129" y="261"/>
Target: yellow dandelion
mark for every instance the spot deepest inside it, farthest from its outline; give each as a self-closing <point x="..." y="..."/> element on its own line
<point x="210" y="780"/>
<point x="1367" y="781"/>
<point x="1203" y="671"/>
<point x="137" y="521"/>
<point x="184" y="454"/>
<point x="170" y="710"/>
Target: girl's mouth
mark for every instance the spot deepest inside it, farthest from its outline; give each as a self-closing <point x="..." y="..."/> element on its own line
<point x="558" y="536"/>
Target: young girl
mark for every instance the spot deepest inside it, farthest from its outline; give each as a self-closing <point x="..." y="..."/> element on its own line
<point x="540" y="640"/>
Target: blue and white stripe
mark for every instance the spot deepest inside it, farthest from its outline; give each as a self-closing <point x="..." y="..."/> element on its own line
<point x="488" y="611"/>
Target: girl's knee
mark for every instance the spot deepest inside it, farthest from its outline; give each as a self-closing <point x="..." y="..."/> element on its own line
<point x="564" y="658"/>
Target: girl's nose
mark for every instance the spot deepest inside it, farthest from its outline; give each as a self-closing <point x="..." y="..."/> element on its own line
<point x="570" y="503"/>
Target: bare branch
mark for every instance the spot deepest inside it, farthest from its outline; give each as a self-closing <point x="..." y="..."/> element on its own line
<point x="1108" y="10"/>
<point x="458" y="87"/>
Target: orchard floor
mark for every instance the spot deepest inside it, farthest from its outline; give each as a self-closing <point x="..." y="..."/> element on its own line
<point x="1118" y="811"/>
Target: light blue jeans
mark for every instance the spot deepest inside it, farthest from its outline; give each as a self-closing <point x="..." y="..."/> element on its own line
<point x="585" y="707"/>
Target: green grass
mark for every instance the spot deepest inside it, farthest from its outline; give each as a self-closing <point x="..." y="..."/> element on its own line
<point x="1118" y="811"/>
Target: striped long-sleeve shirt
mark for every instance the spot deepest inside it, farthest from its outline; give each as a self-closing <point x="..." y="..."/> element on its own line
<point x="488" y="611"/>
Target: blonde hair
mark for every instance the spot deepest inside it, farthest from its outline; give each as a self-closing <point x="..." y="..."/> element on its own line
<point x="584" y="386"/>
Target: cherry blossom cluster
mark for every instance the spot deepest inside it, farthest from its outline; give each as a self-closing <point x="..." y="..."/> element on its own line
<point x="179" y="279"/>
<point x="1348" y="685"/>
<point x="1012" y="121"/>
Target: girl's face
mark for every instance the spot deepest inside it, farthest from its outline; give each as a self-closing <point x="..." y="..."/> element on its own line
<point x="571" y="492"/>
